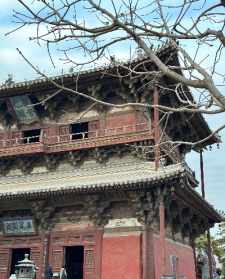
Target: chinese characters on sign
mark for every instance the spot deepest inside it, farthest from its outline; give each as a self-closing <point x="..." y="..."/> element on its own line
<point x="24" y="109"/>
<point x="19" y="226"/>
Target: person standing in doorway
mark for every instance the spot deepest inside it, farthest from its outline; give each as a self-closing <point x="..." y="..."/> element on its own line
<point x="48" y="272"/>
<point x="63" y="274"/>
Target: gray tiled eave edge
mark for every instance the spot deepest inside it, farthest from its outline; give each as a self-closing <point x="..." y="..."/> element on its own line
<point x="82" y="188"/>
<point x="129" y="184"/>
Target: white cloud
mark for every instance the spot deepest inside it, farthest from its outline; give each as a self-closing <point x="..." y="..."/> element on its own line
<point x="10" y="4"/>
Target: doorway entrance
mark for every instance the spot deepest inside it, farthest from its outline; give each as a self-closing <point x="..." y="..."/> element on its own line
<point x="17" y="255"/>
<point x="74" y="261"/>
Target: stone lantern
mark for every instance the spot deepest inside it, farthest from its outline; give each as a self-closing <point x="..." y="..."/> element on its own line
<point x="25" y="269"/>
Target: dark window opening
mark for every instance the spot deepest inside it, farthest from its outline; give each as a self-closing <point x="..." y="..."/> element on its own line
<point x="3" y="107"/>
<point x="31" y="136"/>
<point x="17" y="255"/>
<point x="79" y="130"/>
<point x="38" y="107"/>
<point x="74" y="262"/>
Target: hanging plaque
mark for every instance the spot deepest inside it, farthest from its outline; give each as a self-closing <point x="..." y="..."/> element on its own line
<point x="19" y="226"/>
<point x="23" y="109"/>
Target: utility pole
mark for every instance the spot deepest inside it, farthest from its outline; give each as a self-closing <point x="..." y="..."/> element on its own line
<point x="208" y="231"/>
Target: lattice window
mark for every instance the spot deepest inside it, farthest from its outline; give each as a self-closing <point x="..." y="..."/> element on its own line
<point x="64" y="130"/>
<point x="4" y="262"/>
<point x="89" y="260"/>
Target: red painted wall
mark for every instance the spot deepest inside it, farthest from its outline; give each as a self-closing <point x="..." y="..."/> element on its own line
<point x="119" y="120"/>
<point x="121" y="257"/>
<point x="186" y="265"/>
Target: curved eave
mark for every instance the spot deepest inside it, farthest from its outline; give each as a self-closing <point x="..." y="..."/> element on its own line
<point x="204" y="206"/>
<point x="138" y="184"/>
<point x="204" y="133"/>
<point x="178" y="175"/>
<point x="197" y="122"/>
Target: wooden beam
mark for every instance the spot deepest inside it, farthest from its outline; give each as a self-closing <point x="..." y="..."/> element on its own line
<point x="156" y="126"/>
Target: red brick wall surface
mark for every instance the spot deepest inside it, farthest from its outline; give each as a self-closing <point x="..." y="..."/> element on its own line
<point x="119" y="120"/>
<point x="186" y="265"/>
<point x="121" y="257"/>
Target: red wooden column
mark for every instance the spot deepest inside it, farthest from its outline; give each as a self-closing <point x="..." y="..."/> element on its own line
<point x="162" y="235"/>
<point x="98" y="252"/>
<point x="156" y="126"/>
<point x="148" y="263"/>
<point x="45" y="260"/>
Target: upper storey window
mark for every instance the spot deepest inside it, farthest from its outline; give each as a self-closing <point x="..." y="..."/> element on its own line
<point x="79" y="130"/>
<point x="31" y="136"/>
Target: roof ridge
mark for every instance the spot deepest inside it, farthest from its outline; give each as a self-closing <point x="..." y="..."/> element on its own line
<point x="158" y="50"/>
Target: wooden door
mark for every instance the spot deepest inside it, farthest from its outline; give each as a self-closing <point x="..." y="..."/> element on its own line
<point x="90" y="242"/>
<point x="7" y="244"/>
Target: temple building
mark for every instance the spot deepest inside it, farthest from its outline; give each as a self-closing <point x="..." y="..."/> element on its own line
<point x="88" y="186"/>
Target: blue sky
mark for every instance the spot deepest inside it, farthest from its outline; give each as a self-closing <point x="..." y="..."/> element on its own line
<point x="12" y="63"/>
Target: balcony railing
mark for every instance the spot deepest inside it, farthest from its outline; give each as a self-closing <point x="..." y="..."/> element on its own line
<point x="19" y="141"/>
<point x="49" y="144"/>
<point x="100" y="133"/>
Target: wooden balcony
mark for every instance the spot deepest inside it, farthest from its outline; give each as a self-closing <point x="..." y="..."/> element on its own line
<point x="21" y="146"/>
<point x="70" y="142"/>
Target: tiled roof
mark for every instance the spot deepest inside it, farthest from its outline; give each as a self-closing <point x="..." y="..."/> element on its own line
<point x="113" y="175"/>
<point x="125" y="175"/>
<point x="104" y="68"/>
<point x="29" y="83"/>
